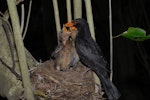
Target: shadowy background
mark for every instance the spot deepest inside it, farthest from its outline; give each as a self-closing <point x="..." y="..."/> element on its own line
<point x="131" y="59"/>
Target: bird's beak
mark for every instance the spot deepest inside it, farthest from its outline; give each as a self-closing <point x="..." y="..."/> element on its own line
<point x="72" y="23"/>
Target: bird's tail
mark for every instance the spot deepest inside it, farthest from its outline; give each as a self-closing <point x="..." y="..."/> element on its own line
<point x="110" y="89"/>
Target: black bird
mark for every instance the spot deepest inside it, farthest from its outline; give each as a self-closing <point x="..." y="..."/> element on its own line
<point x="91" y="56"/>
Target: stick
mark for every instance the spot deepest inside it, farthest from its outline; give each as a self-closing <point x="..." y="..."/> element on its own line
<point x="90" y="17"/>
<point x="22" y="17"/>
<point x="56" y="13"/>
<point x="111" y="41"/>
<point x="91" y="26"/>
<point x="77" y="8"/>
<point x="69" y="15"/>
<point x="20" y="49"/>
<point x="28" y="17"/>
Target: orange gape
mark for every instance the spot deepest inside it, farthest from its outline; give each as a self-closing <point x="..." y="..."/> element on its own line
<point x="69" y="24"/>
<point x="72" y="23"/>
<point x="64" y="35"/>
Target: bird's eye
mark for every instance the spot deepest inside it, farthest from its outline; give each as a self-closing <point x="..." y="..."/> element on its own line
<point x="75" y="22"/>
<point x="70" y="38"/>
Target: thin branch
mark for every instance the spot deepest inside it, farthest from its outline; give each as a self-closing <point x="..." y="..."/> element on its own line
<point x="56" y="13"/>
<point x="89" y="15"/>
<point x="69" y="15"/>
<point x="77" y="8"/>
<point x="2" y="15"/>
<point x="28" y="17"/>
<point x="20" y="49"/>
<point x="111" y="40"/>
<point x="22" y="17"/>
<point x="12" y="70"/>
<point x="118" y="35"/>
<point x="7" y="30"/>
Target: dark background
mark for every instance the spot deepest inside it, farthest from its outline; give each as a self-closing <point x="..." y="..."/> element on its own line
<point x="131" y="59"/>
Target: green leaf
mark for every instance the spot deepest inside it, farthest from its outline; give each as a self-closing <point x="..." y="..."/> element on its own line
<point x="135" y="34"/>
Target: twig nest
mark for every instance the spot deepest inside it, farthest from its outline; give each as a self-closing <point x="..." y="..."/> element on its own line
<point x="51" y="84"/>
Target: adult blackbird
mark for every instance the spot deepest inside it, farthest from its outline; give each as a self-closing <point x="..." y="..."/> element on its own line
<point x="92" y="57"/>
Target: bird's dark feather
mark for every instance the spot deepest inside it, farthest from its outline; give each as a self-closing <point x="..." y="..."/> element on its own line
<point x="89" y="55"/>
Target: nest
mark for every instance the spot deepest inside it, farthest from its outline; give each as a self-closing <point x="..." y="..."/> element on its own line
<point x="51" y="84"/>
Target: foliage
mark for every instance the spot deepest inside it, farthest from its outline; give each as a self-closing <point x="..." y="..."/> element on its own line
<point x="135" y="34"/>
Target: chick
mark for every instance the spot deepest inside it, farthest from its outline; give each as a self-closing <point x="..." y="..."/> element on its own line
<point x="65" y="53"/>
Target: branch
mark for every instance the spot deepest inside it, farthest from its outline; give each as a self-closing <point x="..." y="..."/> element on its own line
<point x="91" y="26"/>
<point x="111" y="41"/>
<point x="57" y="20"/>
<point x="89" y="15"/>
<point x="22" y="17"/>
<point x="28" y="17"/>
<point x="77" y="8"/>
<point x="20" y="49"/>
<point x="69" y="15"/>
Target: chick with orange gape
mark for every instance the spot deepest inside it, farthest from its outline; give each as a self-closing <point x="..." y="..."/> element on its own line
<point x="92" y="57"/>
<point x="65" y="55"/>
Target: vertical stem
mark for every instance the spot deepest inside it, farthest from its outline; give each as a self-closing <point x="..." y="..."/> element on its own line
<point x="111" y="40"/>
<point x="22" y="17"/>
<point x="28" y="18"/>
<point x="77" y="8"/>
<point x="20" y="49"/>
<point x="69" y="15"/>
<point x="56" y="13"/>
<point x="89" y="15"/>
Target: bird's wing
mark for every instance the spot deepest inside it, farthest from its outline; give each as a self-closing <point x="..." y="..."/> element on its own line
<point x="57" y="49"/>
<point x="102" y="57"/>
<point x="90" y="55"/>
